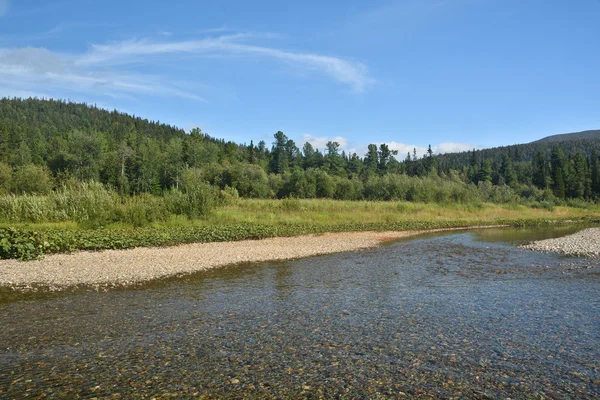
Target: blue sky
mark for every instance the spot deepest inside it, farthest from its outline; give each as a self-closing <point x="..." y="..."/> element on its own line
<point x="456" y="74"/>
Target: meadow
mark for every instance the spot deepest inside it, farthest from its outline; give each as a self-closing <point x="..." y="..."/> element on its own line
<point x="91" y="218"/>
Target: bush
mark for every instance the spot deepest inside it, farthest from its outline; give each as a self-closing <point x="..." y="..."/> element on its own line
<point x="291" y="204"/>
<point x="194" y="201"/>
<point x="252" y="181"/>
<point x="228" y="196"/>
<point x="22" y="245"/>
<point x="544" y="204"/>
<point x="143" y="209"/>
<point x="325" y="185"/>
<point x="300" y="184"/>
<point x="344" y="189"/>
<point x="275" y="184"/>
<point x="32" y="178"/>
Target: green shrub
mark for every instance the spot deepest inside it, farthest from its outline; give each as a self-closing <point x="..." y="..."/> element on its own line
<point x="19" y="244"/>
<point x="194" y="201"/>
<point x="143" y="209"/>
<point x="291" y="204"/>
<point x="344" y="189"/>
<point x="544" y="204"/>
<point x="252" y="181"/>
<point x="228" y="196"/>
<point x="32" y="178"/>
<point x="579" y="203"/>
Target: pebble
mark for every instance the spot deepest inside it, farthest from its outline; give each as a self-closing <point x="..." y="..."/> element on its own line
<point x="583" y="244"/>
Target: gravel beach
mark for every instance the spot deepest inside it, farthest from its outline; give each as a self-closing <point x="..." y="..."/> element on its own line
<point x="126" y="267"/>
<point x="584" y="244"/>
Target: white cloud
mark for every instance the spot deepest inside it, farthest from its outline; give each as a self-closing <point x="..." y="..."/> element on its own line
<point x="404" y="149"/>
<point x="344" y="71"/>
<point x="40" y="71"/>
<point x="4" y="7"/>
<point x="441" y="148"/>
<point x="321" y="142"/>
<point x="450" y="147"/>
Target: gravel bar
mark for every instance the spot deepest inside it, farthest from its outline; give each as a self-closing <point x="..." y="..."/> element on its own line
<point x="585" y="243"/>
<point x="111" y="268"/>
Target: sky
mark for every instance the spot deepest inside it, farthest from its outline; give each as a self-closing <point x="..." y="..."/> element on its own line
<point x="453" y="74"/>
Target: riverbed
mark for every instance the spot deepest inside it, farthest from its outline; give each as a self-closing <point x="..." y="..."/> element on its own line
<point x="458" y="315"/>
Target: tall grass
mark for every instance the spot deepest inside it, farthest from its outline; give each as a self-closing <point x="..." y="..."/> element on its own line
<point x="91" y="204"/>
<point x="154" y="225"/>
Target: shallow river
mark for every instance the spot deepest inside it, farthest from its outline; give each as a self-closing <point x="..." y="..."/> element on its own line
<point x="459" y="315"/>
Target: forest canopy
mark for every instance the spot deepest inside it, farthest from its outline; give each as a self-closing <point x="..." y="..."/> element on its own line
<point x="45" y="144"/>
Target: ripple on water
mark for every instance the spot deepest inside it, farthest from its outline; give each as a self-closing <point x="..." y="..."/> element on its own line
<point x="443" y="316"/>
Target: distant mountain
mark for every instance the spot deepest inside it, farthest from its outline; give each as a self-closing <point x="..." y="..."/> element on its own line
<point x="595" y="134"/>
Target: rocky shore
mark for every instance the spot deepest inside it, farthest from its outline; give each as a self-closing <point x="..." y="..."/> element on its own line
<point x="127" y="267"/>
<point x="585" y="243"/>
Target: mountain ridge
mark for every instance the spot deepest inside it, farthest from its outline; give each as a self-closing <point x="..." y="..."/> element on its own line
<point x="562" y="137"/>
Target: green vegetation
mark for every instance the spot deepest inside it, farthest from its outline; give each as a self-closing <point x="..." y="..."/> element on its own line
<point x="256" y="219"/>
<point x="74" y="176"/>
<point x="45" y="144"/>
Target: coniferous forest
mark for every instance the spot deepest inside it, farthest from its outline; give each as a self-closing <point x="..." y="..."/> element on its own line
<point x="48" y="144"/>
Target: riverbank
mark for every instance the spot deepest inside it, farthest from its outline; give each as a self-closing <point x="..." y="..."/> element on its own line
<point x="585" y="243"/>
<point x="112" y="268"/>
<point x="250" y="219"/>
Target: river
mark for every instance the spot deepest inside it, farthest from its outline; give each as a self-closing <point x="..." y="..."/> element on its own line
<point x="463" y="315"/>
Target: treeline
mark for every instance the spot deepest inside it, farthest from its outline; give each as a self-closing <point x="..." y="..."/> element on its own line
<point x="46" y="145"/>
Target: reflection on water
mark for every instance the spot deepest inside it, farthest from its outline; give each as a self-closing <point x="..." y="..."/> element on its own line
<point x="459" y="315"/>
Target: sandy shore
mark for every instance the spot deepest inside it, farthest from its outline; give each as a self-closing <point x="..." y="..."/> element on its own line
<point x="585" y="243"/>
<point x="126" y="267"/>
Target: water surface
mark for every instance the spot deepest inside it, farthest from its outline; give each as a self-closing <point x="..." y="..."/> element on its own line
<point x="456" y="315"/>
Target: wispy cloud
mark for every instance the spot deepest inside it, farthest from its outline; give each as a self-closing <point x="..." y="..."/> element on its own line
<point x="112" y="70"/>
<point x="4" y="7"/>
<point x="38" y="70"/>
<point x="345" y="71"/>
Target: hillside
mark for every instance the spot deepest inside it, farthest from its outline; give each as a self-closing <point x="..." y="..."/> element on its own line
<point x="46" y="143"/>
<point x="585" y="143"/>
<point x="584" y="135"/>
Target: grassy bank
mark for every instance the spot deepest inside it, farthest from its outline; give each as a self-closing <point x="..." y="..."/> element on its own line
<point x="255" y="219"/>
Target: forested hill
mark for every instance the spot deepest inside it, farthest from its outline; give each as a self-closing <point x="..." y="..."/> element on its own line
<point x="33" y="119"/>
<point x="572" y="136"/>
<point x="45" y="143"/>
<point x="585" y="143"/>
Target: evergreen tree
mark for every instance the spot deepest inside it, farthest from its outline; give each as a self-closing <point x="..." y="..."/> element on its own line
<point x="595" y="174"/>
<point x="371" y="158"/>
<point x="540" y="176"/>
<point x="557" y="166"/>
<point x="507" y="172"/>
<point x="385" y="157"/>
<point x="279" y="154"/>
<point x="485" y="172"/>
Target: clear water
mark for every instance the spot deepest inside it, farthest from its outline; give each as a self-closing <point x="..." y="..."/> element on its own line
<point x="462" y="315"/>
